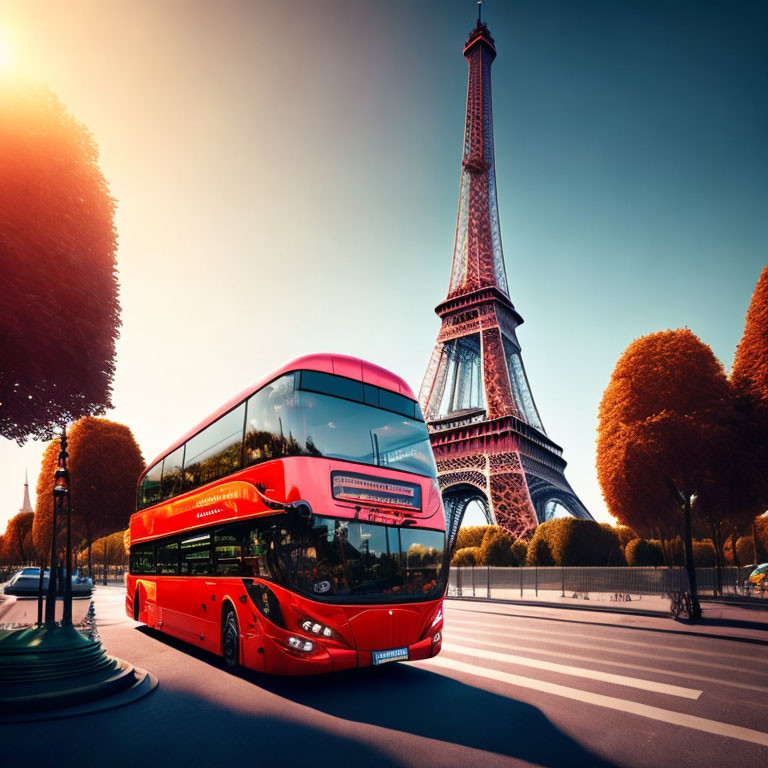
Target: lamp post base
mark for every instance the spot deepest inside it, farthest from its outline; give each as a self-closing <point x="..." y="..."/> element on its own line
<point x="44" y="669"/>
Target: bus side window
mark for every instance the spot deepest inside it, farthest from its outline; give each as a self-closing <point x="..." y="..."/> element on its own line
<point x="149" y="490"/>
<point x="170" y="484"/>
<point x="254" y="553"/>
<point x="216" y="451"/>
<point x="196" y="555"/>
<point x="167" y="558"/>
<point x="142" y="558"/>
<point x="228" y="551"/>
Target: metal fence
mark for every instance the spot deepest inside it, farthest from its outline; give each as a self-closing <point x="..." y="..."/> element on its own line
<point x="550" y="583"/>
<point x="115" y="573"/>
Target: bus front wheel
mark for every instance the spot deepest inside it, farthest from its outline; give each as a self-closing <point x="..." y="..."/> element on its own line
<point x="230" y="638"/>
<point x="136" y="606"/>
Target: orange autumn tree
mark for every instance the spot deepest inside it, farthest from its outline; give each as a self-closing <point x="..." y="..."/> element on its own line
<point x="59" y="312"/>
<point x="105" y="464"/>
<point x="749" y="378"/>
<point x="750" y="366"/>
<point x="663" y="432"/>
<point x="17" y="542"/>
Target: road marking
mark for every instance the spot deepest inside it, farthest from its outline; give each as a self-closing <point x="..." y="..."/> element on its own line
<point x="622" y="664"/>
<point x="599" y="700"/>
<point x="563" y="669"/>
<point x="681" y="654"/>
<point x="570" y="633"/>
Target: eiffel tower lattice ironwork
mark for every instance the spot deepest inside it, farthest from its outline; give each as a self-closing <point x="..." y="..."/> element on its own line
<point x="486" y="432"/>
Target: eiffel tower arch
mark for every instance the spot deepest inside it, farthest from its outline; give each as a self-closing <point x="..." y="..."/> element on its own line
<point x="488" y="437"/>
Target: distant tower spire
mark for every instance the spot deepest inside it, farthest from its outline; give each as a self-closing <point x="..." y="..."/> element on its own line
<point x="479" y="10"/>
<point x="27" y="504"/>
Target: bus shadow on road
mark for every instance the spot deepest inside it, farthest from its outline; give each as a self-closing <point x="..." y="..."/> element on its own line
<point x="423" y="703"/>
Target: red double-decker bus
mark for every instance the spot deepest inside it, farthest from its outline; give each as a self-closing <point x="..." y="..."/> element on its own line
<point x="299" y="528"/>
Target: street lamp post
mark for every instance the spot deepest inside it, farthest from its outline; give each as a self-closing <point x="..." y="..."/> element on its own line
<point x="60" y="502"/>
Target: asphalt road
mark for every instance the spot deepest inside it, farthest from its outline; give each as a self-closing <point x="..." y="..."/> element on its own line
<point x="515" y="685"/>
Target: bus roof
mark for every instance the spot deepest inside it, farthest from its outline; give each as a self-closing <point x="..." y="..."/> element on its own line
<point x="341" y="365"/>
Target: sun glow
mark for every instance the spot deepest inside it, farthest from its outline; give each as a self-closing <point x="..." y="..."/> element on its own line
<point x="5" y="55"/>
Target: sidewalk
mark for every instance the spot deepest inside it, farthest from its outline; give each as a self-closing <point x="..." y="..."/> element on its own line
<point x="23" y="610"/>
<point x="748" y="623"/>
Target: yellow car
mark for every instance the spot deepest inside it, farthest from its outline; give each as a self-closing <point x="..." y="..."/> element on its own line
<point x="759" y="577"/>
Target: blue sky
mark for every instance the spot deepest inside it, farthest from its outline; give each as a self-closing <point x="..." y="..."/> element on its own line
<point x="287" y="181"/>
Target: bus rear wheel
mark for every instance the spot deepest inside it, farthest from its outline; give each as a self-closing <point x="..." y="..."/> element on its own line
<point x="230" y="638"/>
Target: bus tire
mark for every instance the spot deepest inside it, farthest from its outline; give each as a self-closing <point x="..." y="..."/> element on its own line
<point x="230" y="637"/>
<point x="136" y="606"/>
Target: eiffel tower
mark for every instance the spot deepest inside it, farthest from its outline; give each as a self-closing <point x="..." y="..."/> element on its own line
<point x="486" y="432"/>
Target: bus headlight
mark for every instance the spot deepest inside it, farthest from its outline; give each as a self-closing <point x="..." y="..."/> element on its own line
<point x="316" y="628"/>
<point x="298" y="644"/>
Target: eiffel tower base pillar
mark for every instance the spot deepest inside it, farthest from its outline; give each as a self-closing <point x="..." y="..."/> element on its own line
<point x="509" y="497"/>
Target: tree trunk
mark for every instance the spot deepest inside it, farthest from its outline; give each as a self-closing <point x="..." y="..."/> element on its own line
<point x="734" y="539"/>
<point x="689" y="565"/>
<point x="717" y="543"/>
<point x="757" y="550"/>
<point x="90" y="560"/>
<point x="665" y="548"/>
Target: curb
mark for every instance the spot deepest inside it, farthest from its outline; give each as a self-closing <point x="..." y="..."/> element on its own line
<point x="544" y="604"/>
<point x="652" y="614"/>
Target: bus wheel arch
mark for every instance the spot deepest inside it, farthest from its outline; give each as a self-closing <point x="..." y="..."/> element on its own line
<point x="230" y="635"/>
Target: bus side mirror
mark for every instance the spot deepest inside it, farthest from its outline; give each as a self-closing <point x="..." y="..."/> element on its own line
<point x="302" y="512"/>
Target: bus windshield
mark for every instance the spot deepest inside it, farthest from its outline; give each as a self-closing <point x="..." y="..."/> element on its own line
<point x="316" y="414"/>
<point x="345" y="561"/>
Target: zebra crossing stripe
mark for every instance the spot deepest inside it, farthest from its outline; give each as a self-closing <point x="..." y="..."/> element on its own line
<point x="599" y="700"/>
<point x="563" y="669"/>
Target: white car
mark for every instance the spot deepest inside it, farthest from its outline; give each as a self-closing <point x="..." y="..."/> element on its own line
<point x="26" y="581"/>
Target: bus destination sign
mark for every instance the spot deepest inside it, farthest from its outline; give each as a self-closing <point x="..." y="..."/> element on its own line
<point x="350" y="486"/>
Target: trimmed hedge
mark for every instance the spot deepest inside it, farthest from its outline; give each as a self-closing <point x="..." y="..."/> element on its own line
<point x="570" y="541"/>
<point x="625" y="534"/>
<point x="644" y="552"/>
<point x="471" y="536"/>
<point x="538" y="552"/>
<point x="703" y="554"/>
<point x="496" y="548"/>
<point x="467" y="556"/>
<point x="520" y="551"/>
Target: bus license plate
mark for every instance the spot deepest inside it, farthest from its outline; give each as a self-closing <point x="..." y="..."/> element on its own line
<point x="396" y="654"/>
